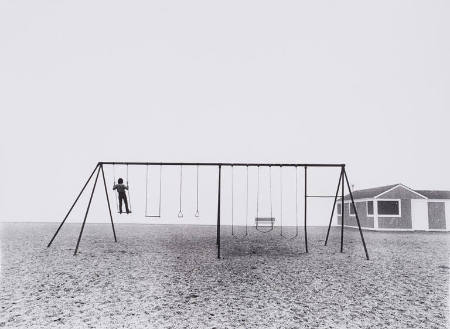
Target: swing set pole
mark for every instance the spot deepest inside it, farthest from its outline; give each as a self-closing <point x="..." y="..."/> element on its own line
<point x="342" y="208"/>
<point x="73" y="205"/>
<point x="87" y="212"/>
<point x="306" y="207"/>
<point x="109" y="205"/>
<point x="218" y="212"/>
<point x="344" y="175"/>
<point x="334" y="207"/>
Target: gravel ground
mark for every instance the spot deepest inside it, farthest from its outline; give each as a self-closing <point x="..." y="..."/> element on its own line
<point x="168" y="277"/>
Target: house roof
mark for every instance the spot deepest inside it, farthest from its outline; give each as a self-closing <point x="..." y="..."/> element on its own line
<point x="435" y="194"/>
<point x="371" y="193"/>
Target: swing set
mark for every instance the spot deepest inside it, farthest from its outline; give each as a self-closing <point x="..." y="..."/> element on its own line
<point x="262" y="224"/>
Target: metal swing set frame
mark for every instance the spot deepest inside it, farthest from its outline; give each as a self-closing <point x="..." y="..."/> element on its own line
<point x="343" y="180"/>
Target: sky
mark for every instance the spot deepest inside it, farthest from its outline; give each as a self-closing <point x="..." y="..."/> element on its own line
<point x="356" y="82"/>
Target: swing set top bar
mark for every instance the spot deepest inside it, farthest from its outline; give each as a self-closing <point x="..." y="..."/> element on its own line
<point x="332" y="165"/>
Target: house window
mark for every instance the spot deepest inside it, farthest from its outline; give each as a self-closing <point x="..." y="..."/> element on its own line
<point x="351" y="209"/>
<point x="339" y="209"/>
<point x="369" y="208"/>
<point x="389" y="208"/>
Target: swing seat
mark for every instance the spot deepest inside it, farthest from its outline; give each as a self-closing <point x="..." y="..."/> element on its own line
<point x="265" y="221"/>
<point x="264" y="224"/>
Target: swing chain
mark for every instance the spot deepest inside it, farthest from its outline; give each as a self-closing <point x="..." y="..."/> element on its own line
<point x="281" y="200"/>
<point x="147" y="213"/>
<point x="128" y="190"/>
<point x="160" y="190"/>
<point x="270" y="191"/>
<point x="180" y="213"/>
<point x="146" y="192"/>
<point x="232" y="204"/>
<point x="296" y="202"/>
<point x="116" y="195"/>
<point x="271" y="227"/>
<point x="197" y="214"/>
<point x="232" y="200"/>
<point x="296" y="209"/>
<point x="257" y="197"/>
<point x="246" y="204"/>
<point x="127" y="175"/>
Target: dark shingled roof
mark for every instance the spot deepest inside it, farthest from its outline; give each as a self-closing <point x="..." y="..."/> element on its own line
<point x="370" y="192"/>
<point x="435" y="194"/>
<point x="373" y="192"/>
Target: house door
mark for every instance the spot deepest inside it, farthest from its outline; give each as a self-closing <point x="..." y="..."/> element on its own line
<point x="419" y="214"/>
<point x="436" y="215"/>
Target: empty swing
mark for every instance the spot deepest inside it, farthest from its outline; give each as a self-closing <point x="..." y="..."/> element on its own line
<point x="123" y="192"/>
<point x="180" y="206"/>
<point x="264" y="224"/>
<point x="281" y="204"/>
<point x="232" y="204"/>
<point x="148" y="213"/>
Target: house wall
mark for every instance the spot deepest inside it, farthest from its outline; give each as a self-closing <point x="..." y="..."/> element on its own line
<point x="436" y="215"/>
<point x="345" y="212"/>
<point x="447" y="214"/>
<point x="403" y="222"/>
<point x="350" y="220"/>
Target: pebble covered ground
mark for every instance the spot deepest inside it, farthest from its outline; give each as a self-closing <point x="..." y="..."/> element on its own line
<point x="166" y="276"/>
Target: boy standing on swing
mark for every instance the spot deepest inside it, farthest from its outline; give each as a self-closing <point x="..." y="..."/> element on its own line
<point x="121" y="188"/>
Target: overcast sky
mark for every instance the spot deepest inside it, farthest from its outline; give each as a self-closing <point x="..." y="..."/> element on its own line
<point x="359" y="82"/>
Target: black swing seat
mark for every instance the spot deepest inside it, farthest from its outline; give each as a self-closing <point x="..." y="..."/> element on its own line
<point x="265" y="221"/>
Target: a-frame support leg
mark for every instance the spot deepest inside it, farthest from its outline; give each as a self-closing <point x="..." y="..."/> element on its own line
<point x="73" y="205"/>
<point x="306" y="209"/>
<point x="334" y="207"/>
<point x="219" y="188"/>
<point x="342" y="207"/>
<point x="356" y="213"/>
<point x="87" y="211"/>
<point x="109" y="205"/>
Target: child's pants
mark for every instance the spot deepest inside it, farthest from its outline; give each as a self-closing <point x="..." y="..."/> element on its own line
<point x="123" y="196"/>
